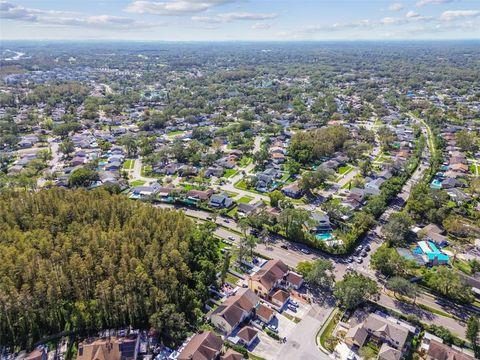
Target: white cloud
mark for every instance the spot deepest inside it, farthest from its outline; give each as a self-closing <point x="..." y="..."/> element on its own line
<point x="459" y="14"/>
<point x="412" y="14"/>
<point x="18" y="12"/>
<point x="261" y="26"/>
<point x="421" y="3"/>
<point x="175" y="7"/>
<point x="247" y="16"/>
<point x="396" y="7"/>
<point x="234" y="16"/>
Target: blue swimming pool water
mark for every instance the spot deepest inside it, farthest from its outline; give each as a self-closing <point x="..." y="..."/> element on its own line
<point x="324" y="236"/>
<point x="436" y="184"/>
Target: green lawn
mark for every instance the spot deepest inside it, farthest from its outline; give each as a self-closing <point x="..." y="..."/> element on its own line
<point x="176" y="132"/>
<point x="229" y="173"/>
<point x="463" y="266"/>
<point x="285" y="177"/>
<point x="343" y="170"/>
<point x="241" y="185"/>
<point x="232" y="279"/>
<point x="325" y="334"/>
<point x="245" y="199"/>
<point x="137" y="183"/>
<point x="128" y="164"/>
<point x="231" y="193"/>
<point x="473" y="167"/>
<point x="346" y="186"/>
<point x="232" y="212"/>
<point x="245" y="161"/>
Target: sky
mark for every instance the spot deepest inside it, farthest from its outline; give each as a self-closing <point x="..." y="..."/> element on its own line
<point x="250" y="20"/>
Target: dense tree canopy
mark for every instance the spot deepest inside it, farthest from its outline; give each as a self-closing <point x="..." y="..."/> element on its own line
<point x="78" y="260"/>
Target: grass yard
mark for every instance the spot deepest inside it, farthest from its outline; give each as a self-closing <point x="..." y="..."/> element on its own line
<point x="232" y="212"/>
<point x="346" y="186"/>
<point x="344" y="170"/>
<point x="325" y="334"/>
<point x="381" y="158"/>
<point x="245" y="161"/>
<point x="232" y="279"/>
<point x="232" y="193"/>
<point x="463" y="266"/>
<point x="229" y="173"/>
<point x="245" y="199"/>
<point x="241" y="185"/>
<point x="136" y="183"/>
<point x="128" y="164"/>
<point x="146" y="169"/>
<point x="176" y="132"/>
<point x="474" y="169"/>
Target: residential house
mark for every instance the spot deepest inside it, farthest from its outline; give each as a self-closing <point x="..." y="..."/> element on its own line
<point x="383" y="330"/>
<point x="272" y="281"/>
<point x="203" y="346"/>
<point x="264" y="313"/>
<point x="214" y="171"/>
<point x="265" y="179"/>
<point x="356" y="336"/>
<point x="439" y="351"/>
<point x="388" y="353"/>
<point x="199" y="195"/>
<point x="293" y="190"/>
<point x="145" y="190"/>
<point x="249" y="209"/>
<point x="279" y="298"/>
<point x="433" y="233"/>
<point x="247" y="336"/>
<point x="111" y="348"/>
<point x="268" y="277"/>
<point x="39" y="353"/>
<point x="431" y="254"/>
<point x="234" y="310"/>
<point x="221" y="201"/>
<point x="231" y="355"/>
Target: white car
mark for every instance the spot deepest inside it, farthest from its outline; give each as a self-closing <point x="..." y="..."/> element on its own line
<point x="294" y="303"/>
<point x="305" y="251"/>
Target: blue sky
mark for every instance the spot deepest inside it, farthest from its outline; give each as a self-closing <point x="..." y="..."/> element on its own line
<point x="205" y="20"/>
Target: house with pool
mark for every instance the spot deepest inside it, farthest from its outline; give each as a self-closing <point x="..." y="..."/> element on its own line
<point x="431" y="254"/>
<point x="319" y="225"/>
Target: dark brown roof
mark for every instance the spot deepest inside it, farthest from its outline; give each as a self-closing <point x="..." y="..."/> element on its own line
<point x="247" y="333"/>
<point x="281" y="295"/>
<point x="439" y="351"/>
<point x="264" y="312"/>
<point x="106" y="349"/>
<point x="270" y="273"/>
<point x="233" y="308"/>
<point x="231" y="355"/>
<point x="294" y="278"/>
<point x="204" y="346"/>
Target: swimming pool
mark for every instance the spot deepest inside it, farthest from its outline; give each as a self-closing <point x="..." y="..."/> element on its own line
<point x="324" y="236"/>
<point x="436" y="184"/>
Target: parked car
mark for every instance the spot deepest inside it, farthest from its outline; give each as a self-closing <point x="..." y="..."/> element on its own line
<point x="294" y="303"/>
<point x="273" y="327"/>
<point x="305" y="251"/>
<point x="231" y="238"/>
<point x="284" y="247"/>
<point x="359" y="260"/>
<point x="292" y="308"/>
